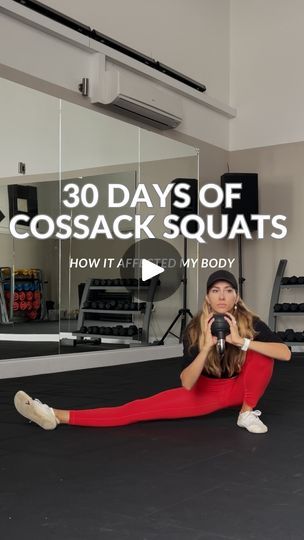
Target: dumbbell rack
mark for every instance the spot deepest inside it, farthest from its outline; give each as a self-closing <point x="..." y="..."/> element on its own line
<point x="277" y="287"/>
<point x="9" y="282"/>
<point x="125" y="315"/>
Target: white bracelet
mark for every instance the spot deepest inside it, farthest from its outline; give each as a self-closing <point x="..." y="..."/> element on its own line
<point x="245" y="344"/>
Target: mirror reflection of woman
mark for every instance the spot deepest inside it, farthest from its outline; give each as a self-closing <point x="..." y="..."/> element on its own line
<point x="209" y="381"/>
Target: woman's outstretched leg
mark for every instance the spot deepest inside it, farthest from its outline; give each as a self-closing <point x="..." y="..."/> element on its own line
<point x="205" y="397"/>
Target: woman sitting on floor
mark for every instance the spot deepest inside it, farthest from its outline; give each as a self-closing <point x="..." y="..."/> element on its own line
<point x="210" y="381"/>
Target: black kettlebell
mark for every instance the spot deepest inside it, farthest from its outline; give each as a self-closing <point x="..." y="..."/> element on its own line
<point x="220" y="329"/>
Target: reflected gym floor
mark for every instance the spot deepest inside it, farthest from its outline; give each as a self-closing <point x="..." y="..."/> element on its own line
<point x="188" y="479"/>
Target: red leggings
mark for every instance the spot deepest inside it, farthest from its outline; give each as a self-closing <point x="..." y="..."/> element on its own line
<point x="206" y="396"/>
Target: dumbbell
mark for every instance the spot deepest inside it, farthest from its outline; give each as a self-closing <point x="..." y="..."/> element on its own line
<point x="293" y="306"/>
<point x="86" y="305"/>
<point x="29" y="296"/>
<point x="101" y="330"/>
<point x="109" y="282"/>
<point x="16" y="296"/>
<point x="277" y="307"/>
<point x="281" y="335"/>
<point x="299" y="336"/>
<point x="23" y="305"/>
<point x="96" y="282"/>
<point x="116" y="282"/>
<point x="83" y="330"/>
<point x="289" y="335"/>
<point x="293" y="280"/>
<point x="95" y="329"/>
<point x="285" y="280"/>
<point x="29" y="306"/>
<point x="301" y="307"/>
<point x="94" y="305"/>
<point x="101" y="305"/>
<point x="126" y="306"/>
<point x="115" y="331"/>
<point x="301" y="280"/>
<point x="119" y="306"/>
<point x="102" y="282"/>
<point x="32" y="314"/>
<point x="132" y="330"/>
<point x="22" y="296"/>
<point x="16" y="306"/>
<point x="285" y="306"/>
<point x="121" y="330"/>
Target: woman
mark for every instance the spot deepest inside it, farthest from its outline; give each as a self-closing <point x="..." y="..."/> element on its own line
<point x="209" y="381"/>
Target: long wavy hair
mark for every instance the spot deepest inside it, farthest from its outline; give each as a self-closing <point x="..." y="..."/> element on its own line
<point x="233" y="358"/>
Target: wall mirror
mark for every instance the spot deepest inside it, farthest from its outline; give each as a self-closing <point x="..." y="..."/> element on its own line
<point x="64" y="295"/>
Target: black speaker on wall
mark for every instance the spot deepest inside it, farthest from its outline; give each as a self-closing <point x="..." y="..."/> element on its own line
<point x="192" y="208"/>
<point x="249" y="197"/>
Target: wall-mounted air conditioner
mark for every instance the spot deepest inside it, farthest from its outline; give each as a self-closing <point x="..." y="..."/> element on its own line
<point x="132" y="94"/>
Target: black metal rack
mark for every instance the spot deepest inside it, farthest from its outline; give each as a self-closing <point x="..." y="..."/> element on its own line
<point x="95" y="319"/>
<point x="12" y="282"/>
<point x="277" y="287"/>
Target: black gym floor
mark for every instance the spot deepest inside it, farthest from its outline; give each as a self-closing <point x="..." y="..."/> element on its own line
<point x="190" y="479"/>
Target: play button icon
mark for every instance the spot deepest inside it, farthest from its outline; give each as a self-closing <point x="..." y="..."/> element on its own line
<point x="148" y="258"/>
<point x="149" y="269"/>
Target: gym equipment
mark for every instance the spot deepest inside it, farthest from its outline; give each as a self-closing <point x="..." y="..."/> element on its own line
<point x="285" y="306"/>
<point x="120" y="306"/>
<point x="299" y="336"/>
<point x="83" y="329"/>
<point x="293" y="280"/>
<point x="293" y="306"/>
<point x="220" y="328"/>
<point x="289" y="335"/>
<point x="301" y="280"/>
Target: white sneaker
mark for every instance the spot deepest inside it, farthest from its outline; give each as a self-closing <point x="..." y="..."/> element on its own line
<point x="34" y="410"/>
<point x="250" y="421"/>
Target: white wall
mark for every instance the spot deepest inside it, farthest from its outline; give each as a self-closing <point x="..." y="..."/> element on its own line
<point x="191" y="37"/>
<point x="267" y="78"/>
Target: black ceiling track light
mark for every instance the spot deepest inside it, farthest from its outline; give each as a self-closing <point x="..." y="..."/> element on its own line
<point x="109" y="42"/>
